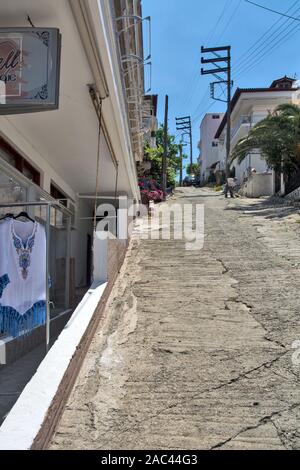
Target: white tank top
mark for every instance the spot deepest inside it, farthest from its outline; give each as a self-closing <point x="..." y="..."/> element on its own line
<point x="22" y="264"/>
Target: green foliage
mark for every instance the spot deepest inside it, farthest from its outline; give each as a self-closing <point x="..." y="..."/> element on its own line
<point x="277" y="137"/>
<point x="195" y="170"/>
<point x="156" y="157"/>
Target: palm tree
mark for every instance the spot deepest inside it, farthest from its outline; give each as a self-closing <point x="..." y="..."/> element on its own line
<point x="277" y="137"/>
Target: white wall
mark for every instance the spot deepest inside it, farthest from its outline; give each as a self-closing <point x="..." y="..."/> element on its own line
<point x="209" y="154"/>
<point x="253" y="161"/>
<point x="259" y="185"/>
<point x="62" y="144"/>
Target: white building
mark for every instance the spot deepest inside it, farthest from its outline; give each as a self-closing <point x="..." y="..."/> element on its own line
<point x="248" y="107"/>
<point x="84" y="153"/>
<point x="208" y="145"/>
<point x="71" y="159"/>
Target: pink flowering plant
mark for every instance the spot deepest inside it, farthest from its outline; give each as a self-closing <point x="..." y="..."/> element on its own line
<point x="150" y="191"/>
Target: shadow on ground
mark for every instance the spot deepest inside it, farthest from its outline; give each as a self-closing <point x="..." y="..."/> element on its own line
<point x="273" y="208"/>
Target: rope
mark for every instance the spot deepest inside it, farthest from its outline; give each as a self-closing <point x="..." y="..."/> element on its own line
<point x="117" y="177"/>
<point x="98" y="163"/>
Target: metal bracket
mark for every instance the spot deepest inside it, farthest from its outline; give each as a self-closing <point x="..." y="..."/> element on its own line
<point x="212" y="91"/>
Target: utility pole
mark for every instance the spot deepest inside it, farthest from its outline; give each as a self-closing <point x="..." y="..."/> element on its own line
<point x="185" y="124"/>
<point x="221" y="69"/>
<point x="165" y="155"/>
<point x="191" y="146"/>
<point x="181" y="163"/>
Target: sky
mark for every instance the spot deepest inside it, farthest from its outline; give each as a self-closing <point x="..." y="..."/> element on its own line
<point x="265" y="46"/>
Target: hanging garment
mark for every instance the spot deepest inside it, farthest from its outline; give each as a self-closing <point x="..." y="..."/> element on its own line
<point x="22" y="276"/>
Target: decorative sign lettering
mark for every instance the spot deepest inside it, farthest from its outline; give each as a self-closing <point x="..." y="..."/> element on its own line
<point x="29" y="69"/>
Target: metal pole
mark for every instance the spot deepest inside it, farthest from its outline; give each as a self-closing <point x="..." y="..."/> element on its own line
<point x="68" y="257"/>
<point x="250" y="155"/>
<point x="228" y="138"/>
<point x="165" y="155"/>
<point x="181" y="169"/>
<point x="47" y="277"/>
<point x="191" y="145"/>
<point x="215" y="71"/>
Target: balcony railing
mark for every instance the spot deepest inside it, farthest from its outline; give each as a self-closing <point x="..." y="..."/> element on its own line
<point x="242" y="121"/>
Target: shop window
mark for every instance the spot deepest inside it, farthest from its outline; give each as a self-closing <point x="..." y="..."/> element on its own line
<point x="11" y="156"/>
<point x="58" y="194"/>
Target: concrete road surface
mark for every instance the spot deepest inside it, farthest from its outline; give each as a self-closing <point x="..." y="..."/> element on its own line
<point x="195" y="350"/>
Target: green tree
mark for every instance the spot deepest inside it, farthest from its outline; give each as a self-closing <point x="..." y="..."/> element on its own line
<point x="194" y="169"/>
<point x="156" y="157"/>
<point x="277" y="137"/>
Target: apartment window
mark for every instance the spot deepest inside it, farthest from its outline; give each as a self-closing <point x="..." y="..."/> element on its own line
<point x="215" y="144"/>
<point x="216" y="116"/>
<point x="11" y="156"/>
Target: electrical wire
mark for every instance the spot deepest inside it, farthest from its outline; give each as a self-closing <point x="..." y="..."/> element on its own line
<point x="213" y="31"/>
<point x="235" y="10"/>
<point x="192" y="86"/>
<point x="257" y="44"/>
<point x="98" y="163"/>
<point x="205" y="111"/>
<point x="271" y="10"/>
<point x="257" y="55"/>
<point x="269" y="41"/>
<point x="203" y="101"/>
<point x="267" y="50"/>
<point x="196" y="73"/>
<point x="276" y="45"/>
<point x="246" y="53"/>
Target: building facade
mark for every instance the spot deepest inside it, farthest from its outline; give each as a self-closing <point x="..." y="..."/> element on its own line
<point x="82" y="154"/>
<point x="248" y="107"/>
<point x="208" y="145"/>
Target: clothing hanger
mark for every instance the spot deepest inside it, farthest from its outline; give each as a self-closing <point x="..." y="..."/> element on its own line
<point x="7" y="216"/>
<point x="24" y="214"/>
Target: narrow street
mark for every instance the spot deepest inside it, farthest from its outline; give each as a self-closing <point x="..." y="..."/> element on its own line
<point x="195" y="350"/>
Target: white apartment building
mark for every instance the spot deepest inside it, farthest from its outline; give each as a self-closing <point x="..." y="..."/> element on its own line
<point x="208" y="145"/>
<point x="248" y="107"/>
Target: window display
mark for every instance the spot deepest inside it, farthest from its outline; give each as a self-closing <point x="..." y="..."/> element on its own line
<point x="22" y="274"/>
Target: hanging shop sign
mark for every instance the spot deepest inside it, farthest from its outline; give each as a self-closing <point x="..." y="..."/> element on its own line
<point x="29" y="69"/>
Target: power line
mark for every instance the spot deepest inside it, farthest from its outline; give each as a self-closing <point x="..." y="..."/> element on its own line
<point x="203" y="101"/>
<point x="267" y="49"/>
<point x="211" y="35"/>
<point x="192" y="84"/>
<point x="196" y="77"/>
<point x="261" y="54"/>
<point x="273" y="11"/>
<point x="286" y="37"/>
<point x="269" y="41"/>
<point x="247" y="54"/>
<point x="205" y="111"/>
<point x="235" y="10"/>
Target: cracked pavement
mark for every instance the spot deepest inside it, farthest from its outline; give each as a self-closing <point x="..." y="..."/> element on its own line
<point x="195" y="348"/>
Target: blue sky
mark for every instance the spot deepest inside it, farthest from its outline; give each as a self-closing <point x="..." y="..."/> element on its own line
<point x="181" y="27"/>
